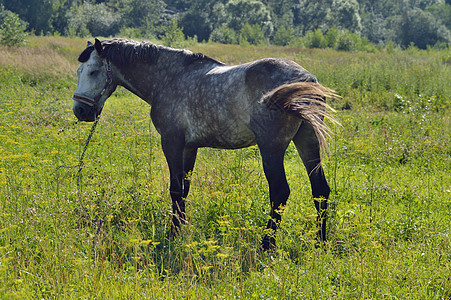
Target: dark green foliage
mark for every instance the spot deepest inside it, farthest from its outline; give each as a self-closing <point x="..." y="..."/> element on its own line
<point x="315" y="39"/>
<point x="345" y="15"/>
<point x="173" y="36"/>
<point x="422" y="29"/>
<point x="251" y="12"/>
<point x="12" y="29"/>
<point x="98" y="19"/>
<point x="332" y="37"/>
<point x="283" y="36"/>
<point x="223" y="35"/>
<point x="37" y="13"/>
<point x="251" y="34"/>
<point x="195" y="24"/>
<point x="139" y="14"/>
<point x="421" y="22"/>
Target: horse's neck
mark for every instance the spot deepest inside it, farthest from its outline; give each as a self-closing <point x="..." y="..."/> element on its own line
<point x="146" y="80"/>
<point x="130" y="79"/>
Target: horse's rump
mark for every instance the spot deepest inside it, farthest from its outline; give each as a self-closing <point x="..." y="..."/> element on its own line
<point x="306" y="100"/>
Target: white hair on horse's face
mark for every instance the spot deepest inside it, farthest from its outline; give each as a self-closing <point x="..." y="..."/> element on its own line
<point x="92" y="91"/>
<point x="91" y="76"/>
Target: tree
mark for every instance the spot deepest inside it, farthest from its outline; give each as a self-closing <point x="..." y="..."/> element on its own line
<point x="252" y="12"/>
<point x="38" y="13"/>
<point x="282" y="12"/>
<point x="12" y="29"/>
<point x="202" y="17"/>
<point x="422" y="29"/>
<point x="173" y="36"/>
<point x="196" y="23"/>
<point x="223" y="35"/>
<point x="332" y="36"/>
<point x="311" y="15"/>
<point x="345" y="15"/>
<point x="423" y="4"/>
<point x="315" y="39"/>
<point x="59" y="17"/>
<point x="375" y="27"/>
<point x="348" y="41"/>
<point x="251" y="34"/>
<point x="385" y="8"/>
<point x="142" y="14"/>
<point x="441" y="12"/>
<point x="283" y="36"/>
<point x="97" y="19"/>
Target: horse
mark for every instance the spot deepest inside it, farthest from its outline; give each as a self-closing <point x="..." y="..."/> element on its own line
<point x="197" y="101"/>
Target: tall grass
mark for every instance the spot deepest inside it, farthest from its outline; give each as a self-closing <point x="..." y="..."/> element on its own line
<point x="389" y="169"/>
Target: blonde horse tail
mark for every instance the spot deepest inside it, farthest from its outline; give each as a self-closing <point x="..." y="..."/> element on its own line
<point x="306" y="100"/>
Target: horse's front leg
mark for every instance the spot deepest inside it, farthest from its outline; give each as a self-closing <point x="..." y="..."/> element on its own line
<point x="180" y="162"/>
<point x="189" y="158"/>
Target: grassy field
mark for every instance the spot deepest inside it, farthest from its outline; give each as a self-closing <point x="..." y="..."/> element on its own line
<point x="389" y="168"/>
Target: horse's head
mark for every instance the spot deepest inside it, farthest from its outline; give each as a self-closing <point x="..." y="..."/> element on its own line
<point x="95" y="83"/>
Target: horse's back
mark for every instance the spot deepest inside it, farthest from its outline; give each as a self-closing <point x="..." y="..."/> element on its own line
<point x="269" y="73"/>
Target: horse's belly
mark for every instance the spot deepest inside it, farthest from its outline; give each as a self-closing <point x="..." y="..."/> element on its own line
<point x="223" y="135"/>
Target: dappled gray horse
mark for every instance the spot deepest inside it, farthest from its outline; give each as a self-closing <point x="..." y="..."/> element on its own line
<point x="200" y="102"/>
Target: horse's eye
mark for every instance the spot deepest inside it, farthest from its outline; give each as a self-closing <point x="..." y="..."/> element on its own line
<point x="94" y="73"/>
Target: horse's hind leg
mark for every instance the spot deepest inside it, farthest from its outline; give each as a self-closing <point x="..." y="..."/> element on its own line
<point x="278" y="191"/>
<point x="272" y="158"/>
<point x="308" y="148"/>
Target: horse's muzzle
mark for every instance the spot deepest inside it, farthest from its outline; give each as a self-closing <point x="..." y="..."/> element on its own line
<point x="84" y="112"/>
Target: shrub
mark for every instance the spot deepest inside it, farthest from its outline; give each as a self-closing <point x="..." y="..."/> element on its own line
<point x="251" y="34"/>
<point x="13" y="30"/>
<point x="332" y="36"/>
<point x="224" y="35"/>
<point x="174" y="37"/>
<point x="315" y="39"/>
<point x="348" y="41"/>
<point x="283" y="36"/>
<point x="134" y="33"/>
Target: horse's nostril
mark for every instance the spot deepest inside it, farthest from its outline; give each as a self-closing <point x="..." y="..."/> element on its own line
<point x="80" y="110"/>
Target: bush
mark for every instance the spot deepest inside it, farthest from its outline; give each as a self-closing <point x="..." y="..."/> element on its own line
<point x="173" y="36"/>
<point x="283" y="36"/>
<point x="315" y="39"/>
<point x="13" y="30"/>
<point x="348" y="41"/>
<point x="224" y="35"/>
<point x="129" y="32"/>
<point x="332" y="36"/>
<point x="251" y="34"/>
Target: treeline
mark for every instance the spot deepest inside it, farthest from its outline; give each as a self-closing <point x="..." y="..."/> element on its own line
<point x="340" y="24"/>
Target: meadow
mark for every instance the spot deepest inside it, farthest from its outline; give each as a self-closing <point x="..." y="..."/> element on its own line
<point x="389" y="167"/>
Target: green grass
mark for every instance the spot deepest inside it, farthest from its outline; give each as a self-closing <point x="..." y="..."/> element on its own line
<point x="389" y="168"/>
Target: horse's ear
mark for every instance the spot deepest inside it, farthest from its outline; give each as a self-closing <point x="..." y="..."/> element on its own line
<point x="89" y="44"/>
<point x="98" y="46"/>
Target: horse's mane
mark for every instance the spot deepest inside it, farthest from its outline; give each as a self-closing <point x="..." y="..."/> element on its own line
<point x="127" y="52"/>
